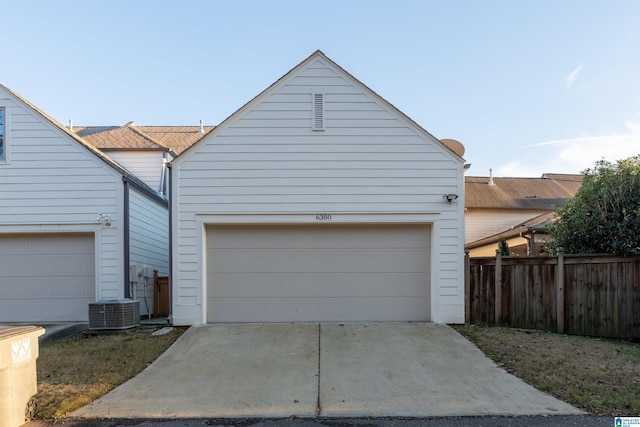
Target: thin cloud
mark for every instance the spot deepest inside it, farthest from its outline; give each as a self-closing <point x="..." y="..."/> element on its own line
<point x="571" y="78"/>
<point x="573" y="155"/>
<point x="572" y="141"/>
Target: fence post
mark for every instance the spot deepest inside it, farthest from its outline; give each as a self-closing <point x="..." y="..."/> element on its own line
<point x="467" y="287"/>
<point x="560" y="292"/>
<point x="498" y="288"/>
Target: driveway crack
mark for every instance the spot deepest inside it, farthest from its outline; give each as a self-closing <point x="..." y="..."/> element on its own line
<point x="318" y="407"/>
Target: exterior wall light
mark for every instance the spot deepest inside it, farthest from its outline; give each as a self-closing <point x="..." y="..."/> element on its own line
<point x="104" y="219"/>
<point x="450" y="197"/>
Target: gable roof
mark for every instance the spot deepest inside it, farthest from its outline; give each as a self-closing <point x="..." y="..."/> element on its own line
<point x="126" y="175"/>
<point x="174" y="139"/>
<point x="318" y="54"/>
<point x="545" y="193"/>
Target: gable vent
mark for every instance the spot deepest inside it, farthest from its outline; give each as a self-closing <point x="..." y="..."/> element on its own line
<point x="318" y="111"/>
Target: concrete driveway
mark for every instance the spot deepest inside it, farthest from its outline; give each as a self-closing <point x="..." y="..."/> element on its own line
<point x="330" y="370"/>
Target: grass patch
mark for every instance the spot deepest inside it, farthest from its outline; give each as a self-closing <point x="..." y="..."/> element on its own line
<point x="598" y="375"/>
<point x="76" y="371"/>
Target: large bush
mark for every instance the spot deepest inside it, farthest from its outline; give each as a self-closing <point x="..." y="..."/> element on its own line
<point x="604" y="216"/>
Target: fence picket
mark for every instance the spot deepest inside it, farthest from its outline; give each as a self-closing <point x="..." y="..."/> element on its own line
<point x="596" y="295"/>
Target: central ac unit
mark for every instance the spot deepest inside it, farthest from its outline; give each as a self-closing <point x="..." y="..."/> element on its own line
<point x="114" y="314"/>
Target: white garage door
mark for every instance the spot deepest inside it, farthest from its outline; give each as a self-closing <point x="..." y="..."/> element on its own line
<point x="318" y="273"/>
<point x="46" y="277"/>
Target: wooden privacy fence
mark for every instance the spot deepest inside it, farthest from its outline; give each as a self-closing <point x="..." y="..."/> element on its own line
<point x="593" y="295"/>
<point x="161" y="298"/>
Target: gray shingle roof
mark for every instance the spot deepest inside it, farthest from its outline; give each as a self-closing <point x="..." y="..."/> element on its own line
<point x="547" y="192"/>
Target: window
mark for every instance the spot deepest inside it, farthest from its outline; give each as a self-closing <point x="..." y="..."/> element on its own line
<point x="318" y="111"/>
<point x="2" y="135"/>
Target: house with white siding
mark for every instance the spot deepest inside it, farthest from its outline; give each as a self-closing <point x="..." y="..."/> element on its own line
<point x="517" y="209"/>
<point x="72" y="222"/>
<point x="143" y="150"/>
<point x="318" y="200"/>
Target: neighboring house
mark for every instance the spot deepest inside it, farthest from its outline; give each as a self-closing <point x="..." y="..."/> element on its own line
<point x="528" y="238"/>
<point x="143" y="150"/>
<point x="517" y="209"/>
<point x="317" y="201"/>
<point x="72" y="221"/>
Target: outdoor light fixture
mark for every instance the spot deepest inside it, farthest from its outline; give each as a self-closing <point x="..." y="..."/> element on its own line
<point x="450" y="197"/>
<point x="104" y="219"/>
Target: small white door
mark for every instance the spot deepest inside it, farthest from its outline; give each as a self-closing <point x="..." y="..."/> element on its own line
<point x="46" y="277"/>
<point x="318" y="273"/>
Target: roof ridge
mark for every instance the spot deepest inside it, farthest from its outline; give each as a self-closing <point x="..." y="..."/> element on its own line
<point x="134" y="128"/>
<point x="320" y="55"/>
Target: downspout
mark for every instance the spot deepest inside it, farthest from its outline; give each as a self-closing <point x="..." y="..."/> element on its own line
<point x="162" y="188"/>
<point x="127" y="287"/>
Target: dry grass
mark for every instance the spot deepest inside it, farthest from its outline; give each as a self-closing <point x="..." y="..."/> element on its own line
<point x="74" y="372"/>
<point x="600" y="376"/>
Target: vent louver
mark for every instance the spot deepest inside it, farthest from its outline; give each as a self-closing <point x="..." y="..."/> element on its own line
<point x="318" y="111"/>
<point x="114" y="314"/>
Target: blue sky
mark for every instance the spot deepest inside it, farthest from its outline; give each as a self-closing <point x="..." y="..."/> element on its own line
<point x="528" y="86"/>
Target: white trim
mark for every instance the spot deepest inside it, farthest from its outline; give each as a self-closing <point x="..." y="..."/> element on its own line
<point x="428" y="219"/>
<point x="6" y="152"/>
<point x="87" y="227"/>
<point x="201" y="298"/>
<point x="435" y="270"/>
<point x="312" y="218"/>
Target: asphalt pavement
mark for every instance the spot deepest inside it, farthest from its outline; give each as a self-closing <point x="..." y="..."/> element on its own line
<point x="486" y="421"/>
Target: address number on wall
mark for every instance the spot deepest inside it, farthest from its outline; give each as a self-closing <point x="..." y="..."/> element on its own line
<point x="323" y="217"/>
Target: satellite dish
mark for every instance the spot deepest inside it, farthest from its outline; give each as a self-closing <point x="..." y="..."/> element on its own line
<point x="454" y="145"/>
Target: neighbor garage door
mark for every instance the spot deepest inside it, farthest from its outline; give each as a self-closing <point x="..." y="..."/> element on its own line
<point x="46" y="277"/>
<point x="318" y="273"/>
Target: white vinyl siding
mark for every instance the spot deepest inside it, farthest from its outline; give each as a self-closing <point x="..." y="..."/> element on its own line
<point x="266" y="160"/>
<point x="46" y="277"/>
<point x="145" y="165"/>
<point x="53" y="183"/>
<point x="148" y="243"/>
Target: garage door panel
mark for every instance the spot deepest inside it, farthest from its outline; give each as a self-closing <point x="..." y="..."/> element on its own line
<point x="57" y="310"/>
<point x="50" y="268"/>
<point x="324" y="285"/>
<point x="326" y="237"/>
<point x="47" y="288"/>
<point x="46" y="277"/>
<point x="318" y="273"/>
<point x="319" y="259"/>
<point x="34" y="244"/>
<point x="309" y="310"/>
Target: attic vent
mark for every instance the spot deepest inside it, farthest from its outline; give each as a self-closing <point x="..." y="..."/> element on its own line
<point x="318" y="111"/>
